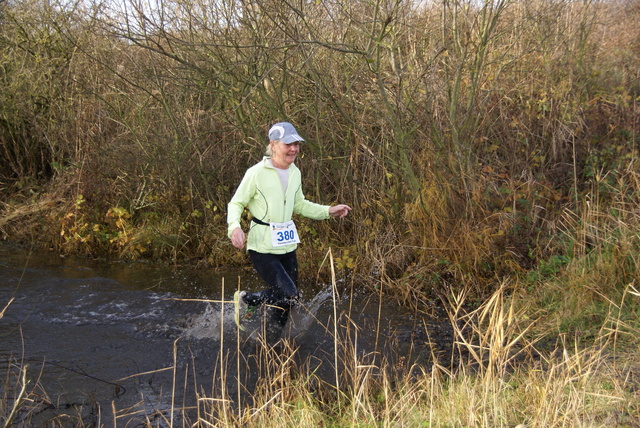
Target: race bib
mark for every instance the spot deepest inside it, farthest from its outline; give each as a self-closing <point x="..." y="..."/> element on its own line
<point x="284" y="234"/>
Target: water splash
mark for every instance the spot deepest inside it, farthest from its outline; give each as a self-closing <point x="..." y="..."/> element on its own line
<point x="305" y="314"/>
<point x="207" y="325"/>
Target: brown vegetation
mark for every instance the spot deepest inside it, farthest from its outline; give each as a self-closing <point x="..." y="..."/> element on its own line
<point x="464" y="134"/>
<point x="489" y="150"/>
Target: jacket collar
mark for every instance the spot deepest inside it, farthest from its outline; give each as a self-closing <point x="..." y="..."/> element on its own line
<point x="267" y="163"/>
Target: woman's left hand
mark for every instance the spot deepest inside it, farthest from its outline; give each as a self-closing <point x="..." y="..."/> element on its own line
<point x="339" y="211"/>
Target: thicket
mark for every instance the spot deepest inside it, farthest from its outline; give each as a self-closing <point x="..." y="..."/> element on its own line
<point x="488" y="148"/>
<point x="467" y="135"/>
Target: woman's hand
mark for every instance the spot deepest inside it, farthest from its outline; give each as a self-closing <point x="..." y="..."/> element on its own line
<point x="339" y="211"/>
<point x="237" y="238"/>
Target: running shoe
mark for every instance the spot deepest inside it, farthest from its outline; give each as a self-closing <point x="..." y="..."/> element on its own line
<point x="242" y="310"/>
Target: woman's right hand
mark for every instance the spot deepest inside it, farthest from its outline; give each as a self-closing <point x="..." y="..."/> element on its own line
<point x="237" y="238"/>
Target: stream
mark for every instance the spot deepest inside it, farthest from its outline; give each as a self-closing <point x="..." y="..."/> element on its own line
<point x="121" y="344"/>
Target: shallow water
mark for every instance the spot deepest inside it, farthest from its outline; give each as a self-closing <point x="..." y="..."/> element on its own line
<point x="102" y="336"/>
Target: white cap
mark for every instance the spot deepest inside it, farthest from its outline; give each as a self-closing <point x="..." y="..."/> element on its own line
<point x="285" y="132"/>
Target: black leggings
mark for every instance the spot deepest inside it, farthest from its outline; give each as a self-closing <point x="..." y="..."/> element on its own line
<point x="280" y="272"/>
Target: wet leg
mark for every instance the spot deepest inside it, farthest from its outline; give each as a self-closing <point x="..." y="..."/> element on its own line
<point x="280" y="272"/>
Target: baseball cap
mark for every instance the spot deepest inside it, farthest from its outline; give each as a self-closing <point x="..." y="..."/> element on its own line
<point x="285" y="132"/>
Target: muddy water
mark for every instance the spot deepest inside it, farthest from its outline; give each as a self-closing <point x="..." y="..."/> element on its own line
<point x="141" y="338"/>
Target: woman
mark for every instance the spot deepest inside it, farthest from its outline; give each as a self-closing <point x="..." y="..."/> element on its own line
<point x="272" y="190"/>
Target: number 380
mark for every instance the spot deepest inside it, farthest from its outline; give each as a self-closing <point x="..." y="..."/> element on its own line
<point x="286" y="235"/>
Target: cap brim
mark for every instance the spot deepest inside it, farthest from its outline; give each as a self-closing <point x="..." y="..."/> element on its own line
<point x="292" y="139"/>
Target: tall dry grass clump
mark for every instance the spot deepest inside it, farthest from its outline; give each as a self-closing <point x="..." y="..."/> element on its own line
<point x="499" y="376"/>
<point x="596" y="261"/>
<point x="503" y="372"/>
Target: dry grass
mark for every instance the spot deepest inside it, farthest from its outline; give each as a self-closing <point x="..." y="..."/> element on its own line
<point x="500" y="379"/>
<point x="501" y="375"/>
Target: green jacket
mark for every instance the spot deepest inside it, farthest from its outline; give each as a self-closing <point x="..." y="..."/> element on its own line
<point x="261" y="191"/>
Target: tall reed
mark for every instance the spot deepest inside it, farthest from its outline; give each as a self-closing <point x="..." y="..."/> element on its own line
<point x="499" y="377"/>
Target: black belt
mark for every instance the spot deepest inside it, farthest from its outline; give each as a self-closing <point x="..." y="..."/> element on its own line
<point x="260" y="222"/>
